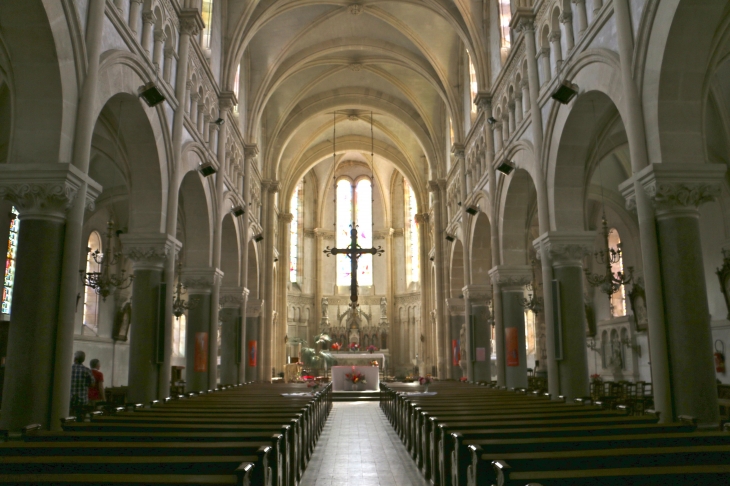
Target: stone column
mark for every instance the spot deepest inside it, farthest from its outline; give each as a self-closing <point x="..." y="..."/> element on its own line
<point x="170" y="54"/>
<point x="148" y="24"/>
<point x="518" y="107"/>
<point x="160" y="38"/>
<point x="580" y="7"/>
<point x="457" y="366"/>
<point x="269" y="188"/>
<point x="42" y="194"/>
<point x="566" y="18"/>
<point x="231" y="299"/>
<point x="677" y="192"/>
<point x="134" y="9"/>
<point x="566" y="251"/>
<point x="511" y="115"/>
<point x="554" y="38"/>
<point x="200" y="331"/>
<point x="442" y="337"/>
<point x="525" y="85"/>
<point x="253" y="318"/>
<point x="242" y="341"/>
<point x="510" y="333"/>
<point x="477" y="299"/>
<point x="597" y="6"/>
<point x="194" y="97"/>
<point x="544" y="57"/>
<point x="498" y="139"/>
<point x="148" y="252"/>
<point x="426" y="326"/>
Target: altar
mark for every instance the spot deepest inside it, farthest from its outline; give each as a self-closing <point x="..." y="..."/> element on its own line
<point x="340" y="382"/>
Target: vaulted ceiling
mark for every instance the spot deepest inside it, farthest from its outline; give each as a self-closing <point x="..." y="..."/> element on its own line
<point x="305" y="62"/>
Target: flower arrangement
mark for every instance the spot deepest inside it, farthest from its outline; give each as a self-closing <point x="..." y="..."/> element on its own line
<point x="336" y="346"/>
<point x="596" y="377"/>
<point x="355" y="378"/>
<point x="374" y="363"/>
<point x="314" y="385"/>
<point x="354" y="347"/>
<point x="372" y="349"/>
<point x="425" y="380"/>
<point x="463" y="379"/>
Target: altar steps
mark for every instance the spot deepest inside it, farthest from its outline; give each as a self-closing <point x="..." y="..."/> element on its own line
<point x="355" y="396"/>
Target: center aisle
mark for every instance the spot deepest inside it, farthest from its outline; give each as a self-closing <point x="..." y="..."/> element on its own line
<point x="358" y="446"/>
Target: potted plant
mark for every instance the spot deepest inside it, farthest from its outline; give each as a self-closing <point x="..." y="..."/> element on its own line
<point x="371" y="349"/>
<point x="336" y="346"/>
<point x="354" y="347"/>
<point x="424" y="381"/>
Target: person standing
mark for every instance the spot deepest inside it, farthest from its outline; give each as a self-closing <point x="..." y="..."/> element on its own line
<point x="96" y="391"/>
<point x="81" y="380"/>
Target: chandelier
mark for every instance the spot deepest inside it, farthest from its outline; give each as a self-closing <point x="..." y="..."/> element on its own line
<point x="179" y="306"/>
<point x="104" y="282"/>
<point x="609" y="282"/>
<point x="533" y="302"/>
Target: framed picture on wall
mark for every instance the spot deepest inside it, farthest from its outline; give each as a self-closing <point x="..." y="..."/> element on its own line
<point x="723" y="273"/>
<point x="637" y="298"/>
<point x="121" y="323"/>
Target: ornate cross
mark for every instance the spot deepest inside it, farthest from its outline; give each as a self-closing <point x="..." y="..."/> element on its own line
<point x="353" y="252"/>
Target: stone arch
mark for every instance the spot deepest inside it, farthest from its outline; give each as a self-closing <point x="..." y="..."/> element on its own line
<point x="674" y="117"/>
<point x="456" y="270"/>
<point x="517" y="196"/>
<point x="43" y="91"/>
<point x="230" y="258"/>
<point x="252" y="277"/>
<point x="194" y="203"/>
<point x="481" y="249"/>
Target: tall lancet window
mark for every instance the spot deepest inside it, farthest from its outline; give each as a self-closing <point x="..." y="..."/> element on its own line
<point x="236" y="83"/>
<point x="618" y="299"/>
<point x="207" y="14"/>
<point x="473" y="87"/>
<point x="505" y="16"/>
<point x="354" y="203"/>
<point x="10" y="262"/>
<point x="91" y="298"/>
<point x="413" y="263"/>
<point x="296" y="200"/>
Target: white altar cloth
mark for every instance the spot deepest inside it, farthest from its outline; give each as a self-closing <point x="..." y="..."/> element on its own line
<point x="371" y="374"/>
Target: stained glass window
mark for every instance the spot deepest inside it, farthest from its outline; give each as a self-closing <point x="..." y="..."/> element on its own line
<point x="179" y="328"/>
<point x="472" y="83"/>
<point x="618" y="300"/>
<point x="294" y="234"/>
<point x="207" y="14"/>
<point x="413" y="263"/>
<point x="505" y="16"/>
<point x="91" y="298"/>
<point x="236" y="82"/>
<point x="10" y="262"/>
<point x="364" y="220"/>
<point x="344" y="220"/>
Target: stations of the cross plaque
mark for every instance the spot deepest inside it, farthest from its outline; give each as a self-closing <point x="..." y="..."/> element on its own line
<point x="353" y="251"/>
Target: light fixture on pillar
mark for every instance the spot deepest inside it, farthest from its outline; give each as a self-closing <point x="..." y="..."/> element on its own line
<point x="491" y="120"/>
<point x="207" y="169"/>
<point x="104" y="282"/>
<point x="609" y="282"/>
<point x="473" y="210"/>
<point x="450" y="237"/>
<point x="258" y="238"/>
<point x="533" y="302"/>
<point x="565" y="92"/>
<point x="179" y="306"/>
<point x="238" y="211"/>
<point x="219" y="121"/>
<point x="506" y="167"/>
<point x="151" y="94"/>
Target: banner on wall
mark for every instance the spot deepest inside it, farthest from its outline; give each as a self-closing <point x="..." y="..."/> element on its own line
<point x="201" y="351"/>
<point x="455" y="352"/>
<point x="512" y="343"/>
<point x="252" y="353"/>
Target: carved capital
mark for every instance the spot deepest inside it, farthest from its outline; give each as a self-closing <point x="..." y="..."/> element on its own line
<point x="477" y="294"/>
<point x="160" y="35"/>
<point x="149" y="250"/>
<point x="482" y="100"/>
<point x="355" y="9"/>
<point x="271" y="185"/>
<point x="565" y="248"/>
<point x="253" y="308"/>
<point x="457" y="150"/>
<point x="422" y="218"/>
<point x="674" y="188"/>
<point x="286" y="217"/>
<point x="433" y="186"/>
<point x="149" y="17"/>
<point x="554" y="36"/>
<point x="511" y="277"/>
<point x="566" y="17"/>
<point x="523" y="19"/>
<point x="45" y="191"/>
<point x="201" y="280"/>
<point x="226" y="101"/>
<point x="231" y="297"/>
<point x="190" y="21"/>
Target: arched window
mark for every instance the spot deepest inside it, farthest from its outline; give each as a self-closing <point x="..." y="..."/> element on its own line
<point x="91" y="298"/>
<point x="236" y="82"/>
<point x="413" y="262"/>
<point x="179" y="330"/>
<point x="451" y="131"/>
<point x="618" y="299"/>
<point x="505" y="17"/>
<point x="296" y="200"/>
<point x="530" y="332"/>
<point x="354" y="204"/>
<point x="472" y="83"/>
<point x="207" y="14"/>
<point x="10" y="262"/>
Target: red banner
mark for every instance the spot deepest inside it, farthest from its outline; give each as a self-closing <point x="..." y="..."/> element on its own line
<point x="512" y="344"/>
<point x="455" y="352"/>
<point x="201" y="352"/>
<point x="252" y="353"/>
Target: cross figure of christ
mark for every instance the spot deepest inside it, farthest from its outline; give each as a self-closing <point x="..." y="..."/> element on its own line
<point x="353" y="252"/>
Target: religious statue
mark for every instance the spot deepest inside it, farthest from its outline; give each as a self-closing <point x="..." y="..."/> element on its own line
<point x="616" y="363"/>
<point x="325" y="306"/>
<point x="383" y="307"/>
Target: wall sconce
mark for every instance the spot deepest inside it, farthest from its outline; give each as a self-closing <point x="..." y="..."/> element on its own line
<point x="238" y="211"/>
<point x="207" y="169"/>
<point x="506" y="167"/>
<point x="565" y="92"/>
<point x="151" y="94"/>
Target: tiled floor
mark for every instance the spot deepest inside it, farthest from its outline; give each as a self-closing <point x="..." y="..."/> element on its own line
<point x="359" y="447"/>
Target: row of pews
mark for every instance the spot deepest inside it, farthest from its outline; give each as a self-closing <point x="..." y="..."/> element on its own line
<point x="249" y="434"/>
<point x="469" y="434"/>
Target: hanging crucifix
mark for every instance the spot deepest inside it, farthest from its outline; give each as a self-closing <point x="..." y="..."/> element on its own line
<point x="353" y="251"/>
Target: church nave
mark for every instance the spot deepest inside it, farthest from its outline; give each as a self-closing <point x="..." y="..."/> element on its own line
<point x="358" y="447"/>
